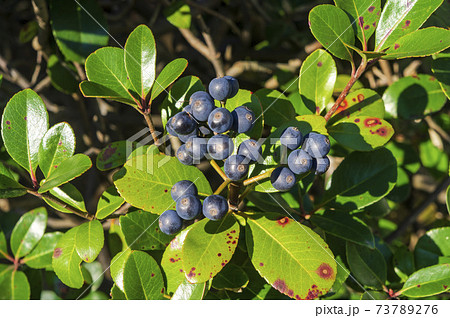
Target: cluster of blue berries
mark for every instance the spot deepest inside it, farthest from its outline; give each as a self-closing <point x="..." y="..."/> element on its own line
<point x="312" y="156"/>
<point x="189" y="207"/>
<point x="202" y="126"/>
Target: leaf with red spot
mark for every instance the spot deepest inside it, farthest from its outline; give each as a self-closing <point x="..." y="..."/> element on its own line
<point x="114" y="155"/>
<point x="362" y="133"/>
<point x="428" y="281"/>
<point x="290" y="256"/>
<point x="89" y="240"/>
<point x="204" y="242"/>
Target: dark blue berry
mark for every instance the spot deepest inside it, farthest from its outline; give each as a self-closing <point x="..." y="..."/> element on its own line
<point x="321" y="165"/>
<point x="200" y="95"/>
<point x="243" y="119"/>
<point x="188" y="109"/>
<point x="202" y="105"/>
<point x="169" y="128"/>
<point x="215" y="207"/>
<point x="220" y="147"/>
<point x="184" y="157"/>
<point x="236" y="167"/>
<point x="183" y="124"/>
<point x="299" y="161"/>
<point x="282" y="179"/>
<point x="234" y="85"/>
<point x="196" y="147"/>
<point x="250" y="149"/>
<point x="317" y="145"/>
<point x="185" y="138"/>
<point x="170" y="223"/>
<point x="220" y="120"/>
<point x="220" y="88"/>
<point x="291" y="138"/>
<point x="182" y="188"/>
<point x="188" y="207"/>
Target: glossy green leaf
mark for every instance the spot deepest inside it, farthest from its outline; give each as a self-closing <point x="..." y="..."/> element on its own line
<point x="342" y="81"/>
<point x="79" y="28"/>
<point x="362" y="102"/>
<point x="13" y="284"/>
<point x="365" y="13"/>
<point x="96" y="272"/>
<point x="231" y="277"/>
<point x="316" y="80"/>
<point x="189" y="291"/>
<point x="431" y="246"/>
<point x="108" y="203"/>
<point x="299" y="105"/>
<point x="62" y="77"/>
<point x="433" y="158"/>
<point x="403" y="262"/>
<point x="208" y="247"/>
<point x="140" y="59"/>
<point x="57" y="145"/>
<point x="428" y="281"/>
<point x="332" y="28"/>
<point x="141" y="230"/>
<point x="441" y="70"/>
<point x="168" y="75"/>
<point x="308" y="269"/>
<point x="105" y="70"/>
<point x="3" y="245"/>
<point x="361" y="179"/>
<point x="178" y="14"/>
<point x="400" y="17"/>
<point x="419" y="43"/>
<point x="89" y="240"/>
<point x="406" y="156"/>
<point x="142" y="277"/>
<point x="24" y="124"/>
<point x="145" y="181"/>
<point x="117" y="267"/>
<point x="345" y="226"/>
<point x="171" y="262"/>
<point x="367" y="265"/>
<point x="66" y="171"/>
<point x="9" y="187"/>
<point x="114" y="155"/>
<point x="362" y="133"/>
<point x="117" y="294"/>
<point x="69" y="195"/>
<point x="41" y="256"/>
<point x="28" y="231"/>
<point x="65" y="260"/>
<point x="402" y="188"/>
<point x="277" y="108"/>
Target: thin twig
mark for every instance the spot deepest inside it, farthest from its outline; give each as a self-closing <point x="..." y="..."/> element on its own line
<point x="437" y="128"/>
<point x="222" y="186"/>
<point x="214" y="55"/>
<point x="218" y="169"/>
<point x="259" y="177"/>
<point x="151" y="127"/>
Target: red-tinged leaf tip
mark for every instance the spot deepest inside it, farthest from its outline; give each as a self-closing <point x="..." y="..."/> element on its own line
<point x="57" y="252"/>
<point x="325" y="271"/>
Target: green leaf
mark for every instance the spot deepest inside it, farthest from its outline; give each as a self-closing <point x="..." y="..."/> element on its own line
<point x="362" y="133"/>
<point x="433" y="158"/>
<point x="41" y="256"/>
<point x="155" y="175"/>
<point x="28" y="31"/>
<point x="406" y="156"/>
<point x="114" y="155"/>
<point x="317" y="79"/>
<point x="24" y="124"/>
<point x="189" y="291"/>
<point x="341" y="82"/>
<point x="57" y="145"/>
<point x="108" y="203"/>
<point x="117" y="267"/>
<point x="13" y="284"/>
<point x="308" y="269"/>
<point x="431" y="246"/>
<point x="374" y="295"/>
<point x="231" y="277"/>
<point x="79" y="28"/>
<point x="367" y="265"/>
<point x="3" y="245"/>
<point x="89" y="240"/>
<point x="208" y="247"/>
<point x="419" y="43"/>
<point x="345" y="226"/>
<point x="69" y="195"/>
<point x="9" y="187"/>
<point x="28" y="231"/>
<point x="117" y="294"/>
<point x="95" y="295"/>
<point x="66" y="262"/>
<point x="172" y="264"/>
<point x="105" y="70"/>
<point x="140" y="59"/>
<point x="361" y="179"/>
<point x="66" y="171"/>
<point x="332" y="28"/>
<point x="402" y="188"/>
<point x="277" y="107"/>
<point x="299" y="105"/>
<point x="168" y="75"/>
<point x="403" y="262"/>
<point x="62" y="77"/>
<point x="142" y="277"/>
<point x="96" y="272"/>
<point x="399" y="18"/>
<point x="362" y="102"/>
<point x="366" y="13"/>
<point x="428" y="281"/>
<point x="441" y="70"/>
<point x="141" y="230"/>
<point x="178" y="14"/>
